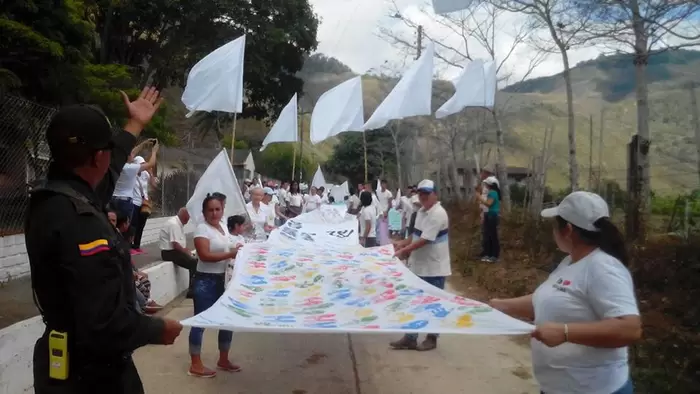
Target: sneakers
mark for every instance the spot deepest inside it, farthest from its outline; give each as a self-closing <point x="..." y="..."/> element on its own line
<point x="405" y="343"/>
<point x="429" y="343"/>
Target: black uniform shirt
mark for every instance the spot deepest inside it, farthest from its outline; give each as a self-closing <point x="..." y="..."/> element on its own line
<point x="83" y="280"/>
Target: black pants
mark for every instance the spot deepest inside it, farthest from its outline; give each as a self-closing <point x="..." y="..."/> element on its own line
<point x="138" y="223"/>
<point x="181" y="260"/>
<point x="489" y="241"/>
<point x="371" y="242"/>
<point x="115" y="377"/>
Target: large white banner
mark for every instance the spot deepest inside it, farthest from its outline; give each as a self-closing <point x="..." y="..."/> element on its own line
<point x="304" y="233"/>
<point x="295" y="288"/>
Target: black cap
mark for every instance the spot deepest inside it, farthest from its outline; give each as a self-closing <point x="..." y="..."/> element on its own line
<point x="79" y="126"/>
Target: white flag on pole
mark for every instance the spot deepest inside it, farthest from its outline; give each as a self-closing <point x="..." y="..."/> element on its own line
<point x="447" y="6"/>
<point x="215" y="83"/>
<point x="411" y="96"/>
<point x="286" y="129"/>
<point x="475" y="87"/>
<point x="319" y="180"/>
<point x="218" y="177"/>
<point x="339" y="109"/>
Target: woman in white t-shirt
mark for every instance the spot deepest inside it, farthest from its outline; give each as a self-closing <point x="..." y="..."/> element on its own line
<point x="313" y="201"/>
<point x="214" y="252"/>
<point x="368" y="221"/>
<point x="144" y="181"/>
<point x="586" y="312"/>
<point x="259" y="214"/>
<point x="294" y="201"/>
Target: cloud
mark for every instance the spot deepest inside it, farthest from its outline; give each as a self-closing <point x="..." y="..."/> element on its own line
<point x="349" y="31"/>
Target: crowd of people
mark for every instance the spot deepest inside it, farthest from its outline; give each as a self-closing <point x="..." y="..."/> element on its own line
<point x="92" y="298"/>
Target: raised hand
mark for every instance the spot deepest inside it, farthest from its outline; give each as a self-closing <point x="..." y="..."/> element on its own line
<point x="142" y="109"/>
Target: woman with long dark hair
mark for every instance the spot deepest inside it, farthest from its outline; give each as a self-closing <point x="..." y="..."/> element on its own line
<point x="586" y="312"/>
<point x="368" y="221"/>
<point x="211" y="239"/>
<point x="295" y="200"/>
<point x="491" y="247"/>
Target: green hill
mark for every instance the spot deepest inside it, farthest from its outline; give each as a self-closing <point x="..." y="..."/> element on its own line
<point x="605" y="83"/>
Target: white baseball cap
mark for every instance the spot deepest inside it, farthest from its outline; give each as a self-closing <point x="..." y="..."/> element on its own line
<point x="139" y="160"/>
<point x="492" y="180"/>
<point x="582" y="209"/>
<point x="426" y="186"/>
<point x="268" y="191"/>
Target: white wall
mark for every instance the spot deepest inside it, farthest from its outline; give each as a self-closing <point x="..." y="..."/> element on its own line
<point x="13" y="253"/>
<point x="17" y="341"/>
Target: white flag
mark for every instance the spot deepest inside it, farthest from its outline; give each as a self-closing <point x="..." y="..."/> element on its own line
<point x="286" y="128"/>
<point x="218" y="177"/>
<point x="475" y="87"/>
<point x="410" y="97"/>
<point x="215" y="83"/>
<point x="447" y="6"/>
<point x="319" y="180"/>
<point x="339" y="109"/>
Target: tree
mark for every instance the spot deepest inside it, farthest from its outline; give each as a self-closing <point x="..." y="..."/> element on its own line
<point x="347" y="159"/>
<point x="276" y="162"/>
<point x="162" y="39"/>
<point x="645" y="27"/>
<point x="476" y="25"/>
<point x="565" y="30"/>
<point x="44" y="48"/>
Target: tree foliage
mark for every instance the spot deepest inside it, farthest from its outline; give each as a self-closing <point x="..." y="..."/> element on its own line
<point x="275" y="162"/>
<point x="347" y="159"/>
<point x="62" y="52"/>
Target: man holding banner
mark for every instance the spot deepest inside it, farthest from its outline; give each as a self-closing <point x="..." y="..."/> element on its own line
<point x="428" y="254"/>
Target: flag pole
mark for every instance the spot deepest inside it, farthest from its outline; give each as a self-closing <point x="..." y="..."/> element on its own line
<point x="233" y="136"/>
<point x="364" y="146"/>
<point x="301" y="147"/>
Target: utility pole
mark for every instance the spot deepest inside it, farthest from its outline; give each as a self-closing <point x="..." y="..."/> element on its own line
<point x="600" y="149"/>
<point x="696" y="121"/>
<point x="414" y="148"/>
<point x="590" y="154"/>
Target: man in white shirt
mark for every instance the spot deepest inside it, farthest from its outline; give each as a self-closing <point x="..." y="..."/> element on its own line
<point x="406" y="208"/>
<point x="353" y="202"/>
<point x="173" y="244"/>
<point x="428" y="253"/>
<point x="122" y="197"/>
<point x="384" y="196"/>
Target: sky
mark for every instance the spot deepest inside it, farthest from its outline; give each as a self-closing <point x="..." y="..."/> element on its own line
<point x="350" y="32"/>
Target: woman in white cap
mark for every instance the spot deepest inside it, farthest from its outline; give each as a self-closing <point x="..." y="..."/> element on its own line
<point x="586" y="312"/>
<point x="491" y="247"/>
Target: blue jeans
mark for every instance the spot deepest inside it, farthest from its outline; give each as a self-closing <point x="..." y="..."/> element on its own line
<point x="123" y="206"/>
<point x="437" y="281"/>
<point x="627" y="388"/>
<point x="207" y="289"/>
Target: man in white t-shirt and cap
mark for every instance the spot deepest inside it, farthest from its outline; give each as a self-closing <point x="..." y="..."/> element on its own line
<point x="123" y="195"/>
<point x="428" y="254"/>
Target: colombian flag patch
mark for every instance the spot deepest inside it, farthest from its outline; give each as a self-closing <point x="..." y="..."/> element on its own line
<point x="94" y="247"/>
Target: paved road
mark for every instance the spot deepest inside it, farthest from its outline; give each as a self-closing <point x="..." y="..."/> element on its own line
<point x="342" y="364"/>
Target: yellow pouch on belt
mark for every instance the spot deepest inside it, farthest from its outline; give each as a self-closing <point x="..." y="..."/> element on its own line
<point x="58" y="355"/>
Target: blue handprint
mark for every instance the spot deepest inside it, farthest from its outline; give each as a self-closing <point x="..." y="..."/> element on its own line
<point x="341" y="294"/>
<point x="437" y="310"/>
<point x="358" y="302"/>
<point x="415" y="325"/>
<point x="278" y="293"/>
<point x="325" y="324"/>
<point x="278" y="265"/>
<point x="237" y="304"/>
<point x="411" y="291"/>
<point x="281" y="319"/>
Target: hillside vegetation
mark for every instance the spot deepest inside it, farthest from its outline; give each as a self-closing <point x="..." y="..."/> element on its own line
<point x="605" y="83"/>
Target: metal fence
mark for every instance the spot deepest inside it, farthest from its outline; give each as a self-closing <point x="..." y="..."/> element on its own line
<point x="24" y="156"/>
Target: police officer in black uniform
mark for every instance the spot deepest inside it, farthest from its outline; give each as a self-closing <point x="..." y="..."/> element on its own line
<point x="82" y="279"/>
